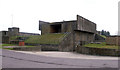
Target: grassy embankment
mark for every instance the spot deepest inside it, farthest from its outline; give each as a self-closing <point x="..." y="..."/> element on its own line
<point x="45" y="39"/>
<point x="38" y="39"/>
<point x="102" y="45"/>
<point x="2" y="46"/>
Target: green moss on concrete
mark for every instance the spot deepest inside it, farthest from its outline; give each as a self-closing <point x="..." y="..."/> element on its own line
<point x="45" y="39"/>
<point x="102" y="45"/>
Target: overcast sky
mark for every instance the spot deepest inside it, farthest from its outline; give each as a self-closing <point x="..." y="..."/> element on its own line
<point x="27" y="13"/>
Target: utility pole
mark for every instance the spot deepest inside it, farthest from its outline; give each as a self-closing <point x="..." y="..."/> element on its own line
<point x="12" y="20"/>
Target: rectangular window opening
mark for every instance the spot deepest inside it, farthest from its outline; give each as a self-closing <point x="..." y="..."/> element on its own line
<point x="55" y="28"/>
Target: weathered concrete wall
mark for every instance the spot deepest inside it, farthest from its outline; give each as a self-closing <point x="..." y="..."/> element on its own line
<point x="113" y="40"/>
<point x="4" y="33"/>
<point x="97" y="51"/>
<point x="66" y="26"/>
<point x="46" y="47"/>
<point x="13" y="31"/>
<point x="85" y="25"/>
<point x="5" y="39"/>
<point x="81" y="24"/>
<point x="45" y="29"/>
<point x="41" y="23"/>
<point x="49" y="47"/>
<point x="81" y="36"/>
<point x="37" y="48"/>
<point x="67" y="44"/>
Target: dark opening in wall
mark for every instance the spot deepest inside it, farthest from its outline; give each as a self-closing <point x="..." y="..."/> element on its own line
<point x="55" y="28"/>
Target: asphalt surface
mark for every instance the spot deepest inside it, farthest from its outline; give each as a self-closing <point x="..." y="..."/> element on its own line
<point x="73" y="55"/>
<point x="12" y="59"/>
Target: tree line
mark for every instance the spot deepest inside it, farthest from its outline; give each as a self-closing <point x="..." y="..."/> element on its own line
<point x="106" y="33"/>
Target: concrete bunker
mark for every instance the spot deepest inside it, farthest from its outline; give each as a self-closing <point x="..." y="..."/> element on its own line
<point x="55" y="28"/>
<point x="76" y="32"/>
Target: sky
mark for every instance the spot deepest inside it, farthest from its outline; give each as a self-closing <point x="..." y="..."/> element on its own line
<point x="26" y="14"/>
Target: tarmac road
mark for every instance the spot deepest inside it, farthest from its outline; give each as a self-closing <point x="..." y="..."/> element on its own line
<point x="12" y="59"/>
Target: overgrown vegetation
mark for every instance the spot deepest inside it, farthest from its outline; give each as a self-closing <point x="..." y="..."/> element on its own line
<point x="8" y="44"/>
<point x="102" y="45"/>
<point x="103" y="36"/>
<point x="42" y="39"/>
<point x="11" y="48"/>
<point x="45" y="39"/>
<point x="15" y="45"/>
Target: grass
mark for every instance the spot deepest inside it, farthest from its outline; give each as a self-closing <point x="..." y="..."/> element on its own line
<point x="102" y="45"/>
<point x="9" y="48"/>
<point x="15" y="45"/>
<point x="42" y="39"/>
<point x="103" y="36"/>
<point x="1" y="47"/>
<point x="8" y="45"/>
<point x="45" y="39"/>
<point x="21" y="46"/>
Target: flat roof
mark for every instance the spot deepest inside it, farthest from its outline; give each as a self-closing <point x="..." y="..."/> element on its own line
<point x="62" y="22"/>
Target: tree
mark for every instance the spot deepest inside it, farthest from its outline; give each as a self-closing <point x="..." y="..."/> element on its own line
<point x="102" y="32"/>
<point x="106" y="33"/>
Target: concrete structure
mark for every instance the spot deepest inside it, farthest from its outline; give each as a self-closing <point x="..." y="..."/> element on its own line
<point x="14" y="31"/>
<point x="5" y="37"/>
<point x="79" y="32"/>
<point x="98" y="51"/>
<point x="113" y="40"/>
<point x="99" y="32"/>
